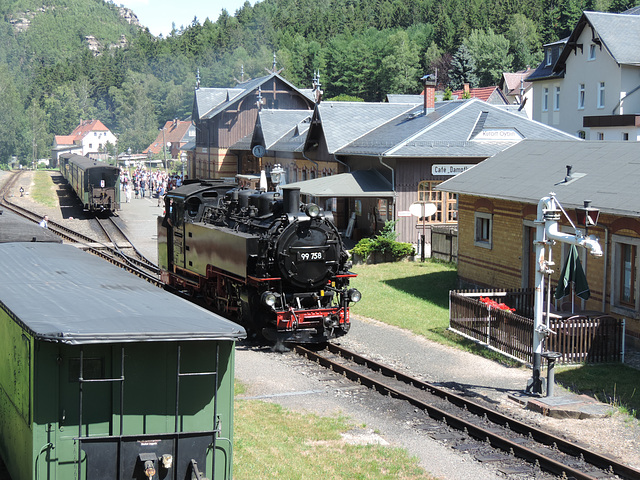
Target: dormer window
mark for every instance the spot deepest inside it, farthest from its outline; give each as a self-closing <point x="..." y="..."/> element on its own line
<point x="548" y="57"/>
<point x="592" y="51"/>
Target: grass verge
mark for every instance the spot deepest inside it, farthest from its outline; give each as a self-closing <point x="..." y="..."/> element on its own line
<point x="272" y="442"/>
<point x="616" y="385"/>
<point x="42" y="190"/>
<point x="415" y="296"/>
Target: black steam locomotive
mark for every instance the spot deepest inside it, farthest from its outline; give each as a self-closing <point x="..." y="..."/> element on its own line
<point x="267" y="261"/>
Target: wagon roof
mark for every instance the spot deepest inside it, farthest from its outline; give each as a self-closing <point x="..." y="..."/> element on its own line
<point x="61" y="294"/>
<point x="85" y="162"/>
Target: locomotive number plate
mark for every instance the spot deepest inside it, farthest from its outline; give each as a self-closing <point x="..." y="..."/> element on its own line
<point x="312" y="256"/>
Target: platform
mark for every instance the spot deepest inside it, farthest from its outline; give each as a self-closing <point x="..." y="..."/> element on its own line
<point x="567" y="405"/>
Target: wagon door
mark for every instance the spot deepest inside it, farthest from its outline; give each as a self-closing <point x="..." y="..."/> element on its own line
<point x="90" y="363"/>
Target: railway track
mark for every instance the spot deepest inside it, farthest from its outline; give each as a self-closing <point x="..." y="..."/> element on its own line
<point x="111" y="251"/>
<point x="519" y="448"/>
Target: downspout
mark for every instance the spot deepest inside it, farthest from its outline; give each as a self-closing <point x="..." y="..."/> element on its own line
<point x="340" y="161"/>
<point x="604" y="273"/>
<point x="393" y="183"/>
<point x="613" y="112"/>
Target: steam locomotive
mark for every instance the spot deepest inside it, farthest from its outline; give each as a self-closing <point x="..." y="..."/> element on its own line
<point x="96" y="183"/>
<point x="263" y="259"/>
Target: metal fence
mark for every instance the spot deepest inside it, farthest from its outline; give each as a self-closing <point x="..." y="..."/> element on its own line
<point x="578" y="339"/>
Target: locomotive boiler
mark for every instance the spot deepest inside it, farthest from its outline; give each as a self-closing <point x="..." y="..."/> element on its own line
<point x="263" y="259"/>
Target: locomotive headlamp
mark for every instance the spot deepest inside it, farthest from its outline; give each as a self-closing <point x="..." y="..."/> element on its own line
<point x="313" y="210"/>
<point x="354" y="295"/>
<point x="269" y="299"/>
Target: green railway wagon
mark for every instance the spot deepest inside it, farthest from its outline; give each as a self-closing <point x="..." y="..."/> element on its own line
<point x="104" y="376"/>
<point x="96" y="184"/>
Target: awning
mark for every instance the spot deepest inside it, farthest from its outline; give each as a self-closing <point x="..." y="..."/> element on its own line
<point x="361" y="183"/>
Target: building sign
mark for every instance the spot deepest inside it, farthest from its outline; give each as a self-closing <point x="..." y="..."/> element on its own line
<point x="499" y="134"/>
<point x="404" y="213"/>
<point x="453" y="169"/>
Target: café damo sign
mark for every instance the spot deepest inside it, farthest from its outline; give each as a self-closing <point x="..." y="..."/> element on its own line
<point x="452" y="169"/>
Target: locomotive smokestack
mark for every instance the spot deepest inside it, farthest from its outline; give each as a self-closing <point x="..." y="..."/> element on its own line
<point x="291" y="200"/>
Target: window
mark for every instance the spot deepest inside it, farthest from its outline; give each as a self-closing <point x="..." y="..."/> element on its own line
<point x="600" y="136"/>
<point x="625" y="136"/>
<point x="545" y="99"/>
<point x="581" y="96"/>
<point x="483" y="236"/>
<point x="601" y="95"/>
<point x="548" y="56"/>
<point x="556" y="101"/>
<point x="592" y="52"/>
<point x="445" y="202"/>
<point x="624" y="275"/>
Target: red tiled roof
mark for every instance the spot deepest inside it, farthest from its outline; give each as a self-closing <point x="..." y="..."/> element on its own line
<point x="174" y="132"/>
<point x="87" y="126"/>
<point x="64" y="139"/>
<point x="481" y="93"/>
<point x="512" y="80"/>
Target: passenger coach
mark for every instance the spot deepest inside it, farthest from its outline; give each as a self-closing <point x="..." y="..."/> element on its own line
<point x="104" y="376"/>
<point x="96" y="184"/>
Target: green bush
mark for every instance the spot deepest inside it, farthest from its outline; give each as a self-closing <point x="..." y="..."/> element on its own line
<point x="385" y="244"/>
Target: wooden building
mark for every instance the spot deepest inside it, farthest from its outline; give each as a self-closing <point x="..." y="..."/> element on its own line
<point x="426" y="146"/>
<point x="224" y="116"/>
<point x="497" y="207"/>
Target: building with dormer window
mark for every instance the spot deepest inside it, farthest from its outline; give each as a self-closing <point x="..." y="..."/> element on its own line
<point x="589" y="84"/>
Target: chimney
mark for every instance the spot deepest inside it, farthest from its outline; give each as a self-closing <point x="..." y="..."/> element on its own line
<point x="465" y="90"/>
<point x="429" y="94"/>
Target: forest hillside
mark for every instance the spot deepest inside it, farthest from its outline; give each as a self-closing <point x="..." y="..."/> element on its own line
<point x="66" y="60"/>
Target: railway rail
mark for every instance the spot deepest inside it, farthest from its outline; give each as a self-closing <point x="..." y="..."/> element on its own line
<point x="473" y="427"/>
<point x="113" y="253"/>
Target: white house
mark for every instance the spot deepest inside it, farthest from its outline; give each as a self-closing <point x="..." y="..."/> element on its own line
<point x="589" y="84"/>
<point x="90" y="139"/>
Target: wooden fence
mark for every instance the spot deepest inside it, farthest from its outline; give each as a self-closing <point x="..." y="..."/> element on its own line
<point x="444" y="243"/>
<point x="578" y="339"/>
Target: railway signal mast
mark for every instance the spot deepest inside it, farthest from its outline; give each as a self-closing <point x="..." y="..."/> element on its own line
<point x="547" y="232"/>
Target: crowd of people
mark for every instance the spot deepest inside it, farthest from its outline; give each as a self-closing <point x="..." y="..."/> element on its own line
<point x="142" y="183"/>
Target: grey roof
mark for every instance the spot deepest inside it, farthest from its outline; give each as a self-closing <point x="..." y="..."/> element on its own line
<point x="608" y="173"/>
<point x="619" y="34"/>
<point x="64" y="295"/>
<point x="405" y="98"/>
<point x="14" y="228"/>
<point x="459" y="128"/>
<point x="209" y="102"/>
<point x="276" y="125"/>
<point x="360" y="183"/>
<point x="545" y="71"/>
<point x="208" y="99"/>
<point x="345" y="122"/>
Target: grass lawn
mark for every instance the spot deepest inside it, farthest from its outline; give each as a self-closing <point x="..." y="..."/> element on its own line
<point x="272" y="442"/>
<point x="415" y="296"/>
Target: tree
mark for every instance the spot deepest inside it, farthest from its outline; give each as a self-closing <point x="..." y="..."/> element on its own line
<point x="490" y="52"/>
<point x="37" y="134"/>
<point x="463" y="69"/>
<point x="400" y="65"/>
<point x="524" y="41"/>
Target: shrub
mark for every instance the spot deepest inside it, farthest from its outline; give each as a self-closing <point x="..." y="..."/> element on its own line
<point x="385" y="244"/>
